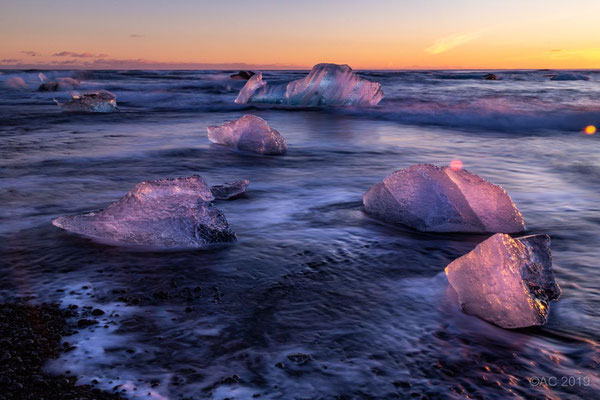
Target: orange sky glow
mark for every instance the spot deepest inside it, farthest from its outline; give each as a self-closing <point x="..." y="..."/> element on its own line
<point x="381" y="34"/>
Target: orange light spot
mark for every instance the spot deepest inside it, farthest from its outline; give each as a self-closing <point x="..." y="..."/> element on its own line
<point x="590" y="130"/>
<point x="456" y="165"/>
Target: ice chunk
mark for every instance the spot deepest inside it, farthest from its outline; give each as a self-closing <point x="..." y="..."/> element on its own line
<point x="434" y="199"/>
<point x="64" y="83"/>
<point x="326" y="84"/>
<point x="166" y="213"/>
<point x="15" y="83"/>
<point x="508" y="282"/>
<point x="229" y="190"/>
<point x="569" y="76"/>
<point x="100" y="101"/>
<point x="490" y="77"/>
<point x="242" y="75"/>
<point x="249" y="133"/>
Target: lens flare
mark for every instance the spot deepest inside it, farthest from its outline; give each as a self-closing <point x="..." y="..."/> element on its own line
<point x="456" y="164"/>
<point x="590" y="130"/>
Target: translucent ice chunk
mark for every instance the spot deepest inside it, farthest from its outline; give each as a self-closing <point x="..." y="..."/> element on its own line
<point x="229" y="190"/>
<point x="249" y="133"/>
<point x="326" y="84"/>
<point x="434" y="199"/>
<point x="101" y="101"/>
<point x="166" y="213"/>
<point x="508" y="282"/>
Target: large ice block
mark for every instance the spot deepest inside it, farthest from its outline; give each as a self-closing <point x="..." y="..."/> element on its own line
<point x="508" y="282"/>
<point x="325" y="85"/>
<point x="166" y="213"/>
<point x="441" y="199"/>
<point x="101" y="101"/>
<point x="249" y="133"/>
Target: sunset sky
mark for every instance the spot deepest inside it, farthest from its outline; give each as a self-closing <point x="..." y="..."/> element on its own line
<point x="379" y="34"/>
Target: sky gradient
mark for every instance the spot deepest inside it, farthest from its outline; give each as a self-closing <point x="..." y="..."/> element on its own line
<point x="380" y="34"/>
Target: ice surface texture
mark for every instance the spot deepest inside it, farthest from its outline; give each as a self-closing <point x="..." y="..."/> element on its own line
<point x="229" y="190"/>
<point x="325" y="85"/>
<point x="508" y="282"/>
<point x="249" y="133"/>
<point x="440" y="199"/>
<point x="166" y="213"/>
<point x="101" y="101"/>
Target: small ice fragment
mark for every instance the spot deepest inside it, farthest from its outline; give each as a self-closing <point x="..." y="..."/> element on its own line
<point x="249" y="133"/>
<point x="101" y="101"/>
<point x="325" y="85"/>
<point x="433" y="199"/>
<point x="229" y="190"/>
<point x="166" y="213"/>
<point x="508" y="282"/>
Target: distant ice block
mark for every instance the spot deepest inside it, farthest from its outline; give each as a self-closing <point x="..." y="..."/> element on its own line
<point x="64" y="83"/>
<point x="508" y="282"/>
<point x="249" y="133"/>
<point x="242" y="75"/>
<point x="433" y="199"/>
<point x="101" y="101"/>
<point x="569" y="76"/>
<point x="325" y="85"/>
<point x="166" y="213"/>
<point x="15" y="83"/>
<point x="229" y="190"/>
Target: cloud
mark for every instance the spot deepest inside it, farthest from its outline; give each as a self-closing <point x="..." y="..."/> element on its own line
<point x="142" y="63"/>
<point x="136" y="35"/>
<point x="10" y="61"/>
<point x="449" y="42"/>
<point x="78" y="55"/>
<point x="30" y="53"/>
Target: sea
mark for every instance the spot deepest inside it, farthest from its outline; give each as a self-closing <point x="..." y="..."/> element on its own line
<point x="316" y="299"/>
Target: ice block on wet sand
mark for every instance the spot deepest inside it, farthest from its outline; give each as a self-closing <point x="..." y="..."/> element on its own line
<point x="249" y="133"/>
<point x="325" y="85"/>
<point x="508" y="282"/>
<point x="166" y="213"/>
<point x="442" y="199"/>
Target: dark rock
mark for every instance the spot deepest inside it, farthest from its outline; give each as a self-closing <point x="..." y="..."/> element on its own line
<point x="97" y="312"/>
<point x="38" y="330"/>
<point x="83" y="323"/>
<point x="490" y="77"/>
<point x="299" y="358"/>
